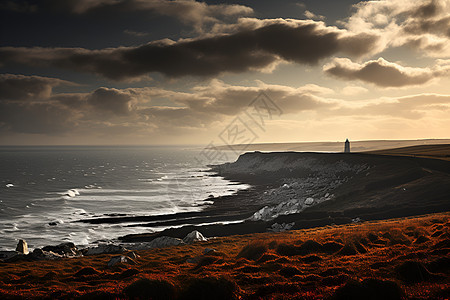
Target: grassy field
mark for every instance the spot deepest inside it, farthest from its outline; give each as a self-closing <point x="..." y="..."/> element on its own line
<point x="424" y="151"/>
<point x="405" y="257"/>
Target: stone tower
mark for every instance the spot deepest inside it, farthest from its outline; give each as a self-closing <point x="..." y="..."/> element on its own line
<point x="347" y="146"/>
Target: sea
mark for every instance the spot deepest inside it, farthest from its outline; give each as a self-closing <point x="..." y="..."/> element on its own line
<point x="45" y="190"/>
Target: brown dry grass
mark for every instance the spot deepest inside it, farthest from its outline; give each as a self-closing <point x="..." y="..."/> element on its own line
<point x="423" y="151"/>
<point x="260" y="271"/>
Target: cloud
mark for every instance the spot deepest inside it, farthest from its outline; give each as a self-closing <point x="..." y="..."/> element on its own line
<point x="251" y="44"/>
<point x="313" y="16"/>
<point x="109" y="112"/>
<point x="354" y="90"/>
<point x="189" y="12"/>
<point x="423" y="25"/>
<point x="19" y="87"/>
<point x="383" y="73"/>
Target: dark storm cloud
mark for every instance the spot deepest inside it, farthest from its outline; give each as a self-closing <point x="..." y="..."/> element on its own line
<point x="19" y="87"/>
<point x="36" y="117"/>
<point x="383" y="73"/>
<point x="187" y="11"/>
<point x="246" y="49"/>
<point x="127" y="111"/>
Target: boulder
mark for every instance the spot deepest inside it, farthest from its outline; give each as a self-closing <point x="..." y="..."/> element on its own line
<point x="105" y="249"/>
<point x="39" y="254"/>
<point x="164" y="241"/>
<point x="309" y="201"/>
<point x="120" y="259"/>
<point x="67" y="249"/>
<point x="281" y="227"/>
<point x="194" y="236"/>
<point x="22" y="247"/>
<point x="208" y="250"/>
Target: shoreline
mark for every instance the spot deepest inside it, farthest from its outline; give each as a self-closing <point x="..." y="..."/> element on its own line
<point x="408" y="172"/>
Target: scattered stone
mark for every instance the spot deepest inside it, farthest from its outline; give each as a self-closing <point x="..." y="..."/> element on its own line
<point x="164" y="241"/>
<point x="22" y="247"/>
<point x="309" y="201"/>
<point x="120" y="259"/>
<point x="67" y="249"/>
<point x="105" y="249"/>
<point x="39" y="254"/>
<point x="356" y="220"/>
<point x="194" y="260"/>
<point x="208" y="251"/>
<point x="194" y="236"/>
<point x="281" y="227"/>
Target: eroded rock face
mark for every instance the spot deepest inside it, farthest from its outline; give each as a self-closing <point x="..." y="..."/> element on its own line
<point x="22" y="247"/>
<point x="105" y="249"/>
<point x="194" y="236"/>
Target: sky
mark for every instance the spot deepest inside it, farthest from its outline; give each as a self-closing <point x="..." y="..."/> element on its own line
<point x="159" y="72"/>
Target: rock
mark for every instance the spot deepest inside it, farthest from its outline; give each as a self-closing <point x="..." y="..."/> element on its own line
<point x="281" y="227"/>
<point x="309" y="201"/>
<point x="194" y="260"/>
<point x="132" y="255"/>
<point x="67" y="249"/>
<point x="105" y="249"/>
<point x="208" y="250"/>
<point x="164" y="241"/>
<point x="194" y="236"/>
<point x="22" y="247"/>
<point x="5" y="255"/>
<point x="39" y="254"/>
<point x="120" y="259"/>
